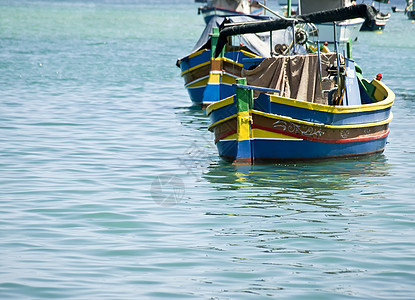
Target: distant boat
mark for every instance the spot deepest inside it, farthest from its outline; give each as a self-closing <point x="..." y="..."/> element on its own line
<point x="228" y="7"/>
<point x="396" y="9"/>
<point x="346" y="29"/>
<point x="379" y="23"/>
<point x="410" y="10"/>
<point x="301" y="106"/>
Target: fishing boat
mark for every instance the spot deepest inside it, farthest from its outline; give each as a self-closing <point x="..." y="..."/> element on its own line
<point x="229" y="7"/>
<point x="410" y="10"/>
<point x="379" y="23"/>
<point x="208" y="79"/>
<point x="301" y="106"/>
<point x="346" y="29"/>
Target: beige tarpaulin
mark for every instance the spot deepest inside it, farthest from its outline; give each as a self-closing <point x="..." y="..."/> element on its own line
<point x="295" y="76"/>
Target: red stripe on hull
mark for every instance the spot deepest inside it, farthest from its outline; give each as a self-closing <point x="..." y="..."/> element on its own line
<point x="347" y="140"/>
<point x="224" y="135"/>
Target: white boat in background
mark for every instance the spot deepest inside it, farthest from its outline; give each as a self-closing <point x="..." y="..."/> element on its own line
<point x="345" y="30"/>
<point x="228" y="7"/>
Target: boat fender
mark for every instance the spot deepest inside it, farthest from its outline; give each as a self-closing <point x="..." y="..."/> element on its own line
<point x="311" y="48"/>
<point x="324" y="48"/>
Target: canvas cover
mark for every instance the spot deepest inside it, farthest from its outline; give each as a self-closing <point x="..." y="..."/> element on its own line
<point x="258" y="43"/>
<point x="297" y="77"/>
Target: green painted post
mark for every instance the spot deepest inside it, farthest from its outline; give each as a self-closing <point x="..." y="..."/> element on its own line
<point x="289" y="8"/>
<point x="243" y="120"/>
<point x="214" y="41"/>
<point x="243" y="96"/>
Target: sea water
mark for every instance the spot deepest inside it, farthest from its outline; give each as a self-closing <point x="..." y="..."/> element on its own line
<point x="111" y="186"/>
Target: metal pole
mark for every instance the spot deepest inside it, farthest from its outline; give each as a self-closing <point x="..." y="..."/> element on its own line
<point x="338" y="60"/>
<point x="289" y="8"/>
<point x="293" y="27"/>
<point x="270" y="10"/>
<point x="319" y="68"/>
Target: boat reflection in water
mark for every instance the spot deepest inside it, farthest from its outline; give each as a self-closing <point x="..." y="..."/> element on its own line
<point x="284" y="180"/>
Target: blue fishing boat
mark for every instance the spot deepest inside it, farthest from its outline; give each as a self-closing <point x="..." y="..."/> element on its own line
<point x="208" y="79"/>
<point x="301" y="106"/>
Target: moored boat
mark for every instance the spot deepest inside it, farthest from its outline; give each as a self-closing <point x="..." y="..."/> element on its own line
<point x="379" y="23"/>
<point x="229" y="7"/>
<point x="300" y="107"/>
<point x="209" y="79"/>
<point x="410" y="10"/>
<point x="347" y="29"/>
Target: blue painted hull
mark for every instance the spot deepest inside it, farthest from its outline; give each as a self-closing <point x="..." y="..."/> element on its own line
<point x="197" y="68"/>
<point x="285" y="150"/>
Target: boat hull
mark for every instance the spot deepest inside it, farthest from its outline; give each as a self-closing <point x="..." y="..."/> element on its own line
<point x="282" y="129"/>
<point x="208" y="80"/>
<point x="377" y="24"/>
<point x="345" y="31"/>
<point x="411" y="14"/>
<point x="275" y="150"/>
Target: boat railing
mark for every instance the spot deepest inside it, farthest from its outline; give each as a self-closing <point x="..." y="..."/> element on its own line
<point x="256" y="88"/>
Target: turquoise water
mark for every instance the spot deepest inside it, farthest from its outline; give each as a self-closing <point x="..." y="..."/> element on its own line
<point x="111" y="187"/>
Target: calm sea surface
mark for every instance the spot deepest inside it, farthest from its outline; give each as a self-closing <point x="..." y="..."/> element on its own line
<point x="111" y="186"/>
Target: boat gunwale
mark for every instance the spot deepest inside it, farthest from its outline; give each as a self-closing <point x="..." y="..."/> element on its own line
<point x="387" y="102"/>
<point x="220" y="104"/>
<point x="383" y="104"/>
<point x="225" y="59"/>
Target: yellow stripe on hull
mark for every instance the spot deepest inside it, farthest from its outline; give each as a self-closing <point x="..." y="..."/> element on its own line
<point x="219" y="104"/>
<point x="381" y="92"/>
<point x="195" y="68"/>
<point x="197" y="53"/>
<point x="229" y="101"/>
<point x="250" y="54"/>
<point x="198" y="83"/>
<point x="264" y="134"/>
<point x="212" y="79"/>
<point x="243" y="124"/>
<point x="288" y="119"/>
<point x="230" y="137"/>
<point x="224" y="59"/>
